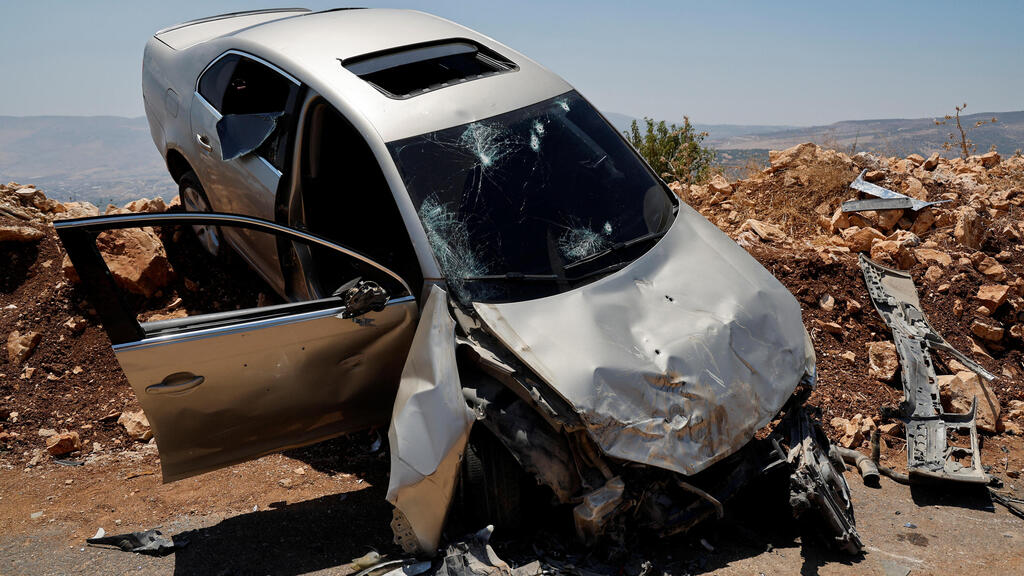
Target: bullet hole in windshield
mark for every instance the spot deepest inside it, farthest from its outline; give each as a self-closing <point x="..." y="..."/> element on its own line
<point x="579" y="242"/>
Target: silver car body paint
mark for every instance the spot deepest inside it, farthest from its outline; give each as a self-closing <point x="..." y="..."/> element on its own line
<point x="674" y="361"/>
<point x="430" y="425"/>
<point x="309" y="47"/>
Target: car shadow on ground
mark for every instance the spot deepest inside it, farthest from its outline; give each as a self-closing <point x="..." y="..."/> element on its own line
<point x="303" y="537"/>
<point x="295" y="538"/>
<point x="330" y="531"/>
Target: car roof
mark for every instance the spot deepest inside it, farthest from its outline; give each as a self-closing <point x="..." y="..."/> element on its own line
<point x="312" y="46"/>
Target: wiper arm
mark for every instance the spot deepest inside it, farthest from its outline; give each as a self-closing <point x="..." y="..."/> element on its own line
<point x="512" y="276"/>
<point x="520" y="277"/>
<point x="617" y="247"/>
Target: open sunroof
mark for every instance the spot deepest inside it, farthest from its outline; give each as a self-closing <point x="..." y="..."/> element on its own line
<point x="412" y="70"/>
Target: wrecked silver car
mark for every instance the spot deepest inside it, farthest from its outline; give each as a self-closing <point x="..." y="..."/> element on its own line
<point x="467" y="249"/>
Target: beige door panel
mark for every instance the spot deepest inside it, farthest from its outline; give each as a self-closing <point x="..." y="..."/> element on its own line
<point x="224" y="395"/>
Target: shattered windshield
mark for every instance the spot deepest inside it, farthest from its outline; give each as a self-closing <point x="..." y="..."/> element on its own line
<point x="532" y="202"/>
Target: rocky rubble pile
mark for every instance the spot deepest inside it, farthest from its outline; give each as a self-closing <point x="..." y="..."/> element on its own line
<point x="965" y="254"/>
<point x="61" y="392"/>
<point x="136" y="257"/>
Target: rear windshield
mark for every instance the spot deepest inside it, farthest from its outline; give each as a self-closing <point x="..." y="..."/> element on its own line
<point x="532" y="202"/>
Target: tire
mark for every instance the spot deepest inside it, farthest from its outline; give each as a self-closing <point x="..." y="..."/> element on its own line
<point x="193" y="199"/>
<point x="490" y="485"/>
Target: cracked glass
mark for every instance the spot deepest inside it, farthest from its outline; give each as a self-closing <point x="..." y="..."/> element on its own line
<point x="532" y="202"/>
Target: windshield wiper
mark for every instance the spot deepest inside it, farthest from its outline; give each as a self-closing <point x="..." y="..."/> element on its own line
<point x="617" y="247"/>
<point x="512" y="276"/>
<point x="520" y="277"/>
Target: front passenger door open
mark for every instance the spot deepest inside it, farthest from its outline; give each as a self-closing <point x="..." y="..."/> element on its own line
<point x="227" y="386"/>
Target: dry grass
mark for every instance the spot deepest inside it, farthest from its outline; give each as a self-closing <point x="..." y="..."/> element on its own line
<point x="796" y="200"/>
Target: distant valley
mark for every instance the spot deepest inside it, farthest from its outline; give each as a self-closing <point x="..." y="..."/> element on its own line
<point x="110" y="159"/>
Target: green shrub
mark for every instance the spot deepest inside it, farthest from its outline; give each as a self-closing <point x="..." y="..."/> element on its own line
<point x="675" y="152"/>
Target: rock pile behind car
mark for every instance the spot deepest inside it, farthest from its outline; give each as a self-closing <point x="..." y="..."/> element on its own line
<point x="965" y="255"/>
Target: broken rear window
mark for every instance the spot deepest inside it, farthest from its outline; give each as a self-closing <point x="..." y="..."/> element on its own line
<point x="532" y="202"/>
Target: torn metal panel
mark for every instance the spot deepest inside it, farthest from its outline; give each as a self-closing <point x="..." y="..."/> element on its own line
<point x="817" y="483"/>
<point x="429" y="428"/>
<point x="877" y="191"/>
<point x="928" y="451"/>
<point x="878" y="204"/>
<point x="149" y="542"/>
<point x="675" y="360"/>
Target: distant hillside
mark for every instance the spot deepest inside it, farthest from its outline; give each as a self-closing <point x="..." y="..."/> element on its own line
<point x="715" y="131"/>
<point x="101" y="159"/>
<point x="895" y="137"/>
<point x="109" y="159"/>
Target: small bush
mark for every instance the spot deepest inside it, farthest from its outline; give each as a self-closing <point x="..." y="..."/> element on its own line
<point x="675" y="152"/>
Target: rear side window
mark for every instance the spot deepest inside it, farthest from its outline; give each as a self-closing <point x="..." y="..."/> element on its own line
<point x="214" y="82"/>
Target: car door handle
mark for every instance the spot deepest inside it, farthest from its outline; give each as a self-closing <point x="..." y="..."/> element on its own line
<point x="204" y="142"/>
<point x="177" y="383"/>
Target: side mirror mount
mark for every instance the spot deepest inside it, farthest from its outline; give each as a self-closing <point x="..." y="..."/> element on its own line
<point x="361" y="296"/>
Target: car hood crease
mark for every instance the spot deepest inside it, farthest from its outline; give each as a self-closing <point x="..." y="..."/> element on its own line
<point x="674" y="361"/>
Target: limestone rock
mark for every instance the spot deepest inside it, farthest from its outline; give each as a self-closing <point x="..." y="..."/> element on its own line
<point x="887" y="219"/>
<point x="990" y="159"/>
<point x="957" y="392"/>
<point x="915" y="189"/>
<point x="78" y="210"/>
<point x="860" y="239"/>
<point x="827" y="302"/>
<point x="20" y="346"/>
<point x="136" y="425"/>
<point x="991" y="268"/>
<point x="882" y="360"/>
<point x="10" y="233"/>
<point x="970" y="229"/>
<point x="797" y="155"/>
<point x="923" y="222"/>
<point x="839" y="221"/>
<point x="720" y="185"/>
<point x="931" y="256"/>
<point x="155" y="204"/>
<point x="63" y="443"/>
<point x="136" y="259"/>
<point x="893" y="253"/>
<point x="993" y="295"/>
<point x="932" y="162"/>
<point x="988" y="330"/>
<point x="765" y="231"/>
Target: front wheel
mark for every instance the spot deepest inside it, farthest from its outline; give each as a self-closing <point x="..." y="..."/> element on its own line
<point x="490" y="486"/>
<point x="193" y="199"/>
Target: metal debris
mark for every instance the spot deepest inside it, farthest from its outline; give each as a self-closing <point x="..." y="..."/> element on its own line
<point x="889" y="200"/>
<point x="929" y="454"/>
<point x="817" y="484"/>
<point x="150" y="542"/>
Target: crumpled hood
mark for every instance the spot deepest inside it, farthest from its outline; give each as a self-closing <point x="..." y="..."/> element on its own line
<point x="674" y="361"/>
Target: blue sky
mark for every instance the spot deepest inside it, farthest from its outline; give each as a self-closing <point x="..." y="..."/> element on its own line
<point x="797" y="63"/>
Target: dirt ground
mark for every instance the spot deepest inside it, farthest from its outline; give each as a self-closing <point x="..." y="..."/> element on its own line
<point x="312" y="511"/>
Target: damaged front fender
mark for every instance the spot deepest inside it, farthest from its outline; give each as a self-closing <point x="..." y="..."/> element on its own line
<point x="430" y="425"/>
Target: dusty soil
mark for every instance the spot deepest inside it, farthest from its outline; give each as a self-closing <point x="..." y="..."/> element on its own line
<point x="244" y="520"/>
